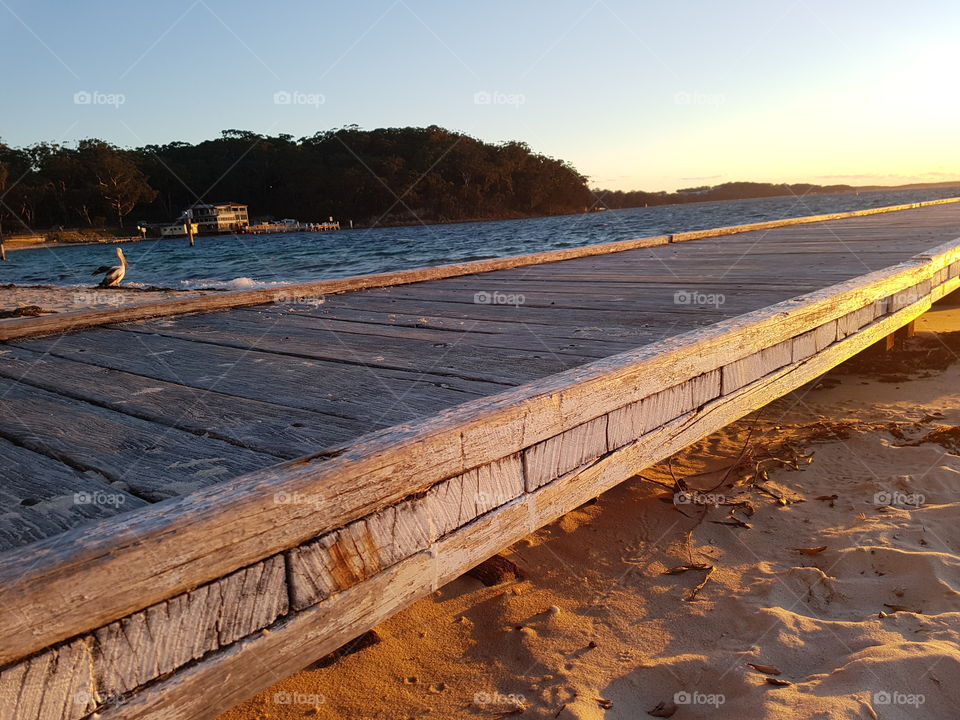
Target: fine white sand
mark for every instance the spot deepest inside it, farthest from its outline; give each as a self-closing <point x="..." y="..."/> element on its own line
<point x="867" y="627"/>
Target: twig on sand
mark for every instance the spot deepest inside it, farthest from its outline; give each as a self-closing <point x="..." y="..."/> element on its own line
<point x="692" y="595"/>
<point x="703" y="567"/>
<point x="740" y="456"/>
<point x="654" y="482"/>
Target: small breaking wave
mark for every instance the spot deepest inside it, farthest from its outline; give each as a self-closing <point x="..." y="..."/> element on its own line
<point x="240" y="283"/>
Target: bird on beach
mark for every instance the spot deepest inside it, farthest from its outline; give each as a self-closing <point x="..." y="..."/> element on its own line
<point x="112" y="274"/>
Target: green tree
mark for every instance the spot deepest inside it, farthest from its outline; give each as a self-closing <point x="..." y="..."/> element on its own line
<point x="118" y="181"/>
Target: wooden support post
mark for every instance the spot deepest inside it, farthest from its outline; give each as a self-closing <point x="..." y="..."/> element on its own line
<point x="190" y="227"/>
<point x="3" y="252"/>
<point x="908" y="330"/>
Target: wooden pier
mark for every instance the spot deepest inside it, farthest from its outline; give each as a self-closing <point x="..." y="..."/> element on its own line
<point x="204" y="495"/>
<point x="274" y="228"/>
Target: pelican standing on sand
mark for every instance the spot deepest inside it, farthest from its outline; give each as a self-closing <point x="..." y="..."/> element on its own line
<point x="112" y="275"/>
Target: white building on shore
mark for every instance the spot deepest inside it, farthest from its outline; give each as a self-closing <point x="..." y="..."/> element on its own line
<point x="217" y="217"/>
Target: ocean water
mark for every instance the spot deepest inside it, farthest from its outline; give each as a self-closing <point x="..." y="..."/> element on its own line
<point x="247" y="261"/>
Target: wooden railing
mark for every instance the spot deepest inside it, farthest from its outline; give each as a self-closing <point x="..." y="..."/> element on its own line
<point x="184" y="608"/>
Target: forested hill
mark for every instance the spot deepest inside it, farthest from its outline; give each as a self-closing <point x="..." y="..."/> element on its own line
<point x="385" y="176"/>
<point x="618" y="199"/>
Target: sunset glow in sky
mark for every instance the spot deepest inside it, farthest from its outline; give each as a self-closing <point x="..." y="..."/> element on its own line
<point x="636" y="95"/>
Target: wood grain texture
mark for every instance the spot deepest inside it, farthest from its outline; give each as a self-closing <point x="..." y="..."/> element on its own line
<point x="500" y="365"/>
<point x="742" y="372"/>
<point x="477" y="333"/>
<point x="700" y="234"/>
<point x="363" y="548"/>
<point x="324" y="626"/>
<point x="262" y="426"/>
<point x="181" y="544"/>
<point x="146" y="645"/>
<point x="560" y="454"/>
<point x="379" y="397"/>
<point x="42" y="497"/>
<point x="631" y="421"/>
<point x="291" y="644"/>
<point x="73" y="321"/>
<point x="55" y="685"/>
<point x="153" y="465"/>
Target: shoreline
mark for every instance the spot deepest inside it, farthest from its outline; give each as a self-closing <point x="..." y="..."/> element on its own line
<point x="380" y="226"/>
<point x="13" y="247"/>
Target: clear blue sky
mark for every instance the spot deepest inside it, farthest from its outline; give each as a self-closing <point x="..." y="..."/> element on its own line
<point x="636" y="95"/>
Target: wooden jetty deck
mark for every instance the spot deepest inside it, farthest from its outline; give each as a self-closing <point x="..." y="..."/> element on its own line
<point x="204" y="495"/>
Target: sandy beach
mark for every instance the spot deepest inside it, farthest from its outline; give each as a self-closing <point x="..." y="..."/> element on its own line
<point x="33" y="300"/>
<point x="811" y="571"/>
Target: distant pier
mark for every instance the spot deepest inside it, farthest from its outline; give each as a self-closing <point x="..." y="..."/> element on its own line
<point x="264" y="228"/>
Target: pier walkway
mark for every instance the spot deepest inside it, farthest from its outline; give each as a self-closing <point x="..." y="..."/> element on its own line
<point x="201" y="496"/>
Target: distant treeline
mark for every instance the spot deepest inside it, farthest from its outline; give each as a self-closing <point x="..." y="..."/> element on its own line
<point x="385" y="176"/>
<point x="388" y="176"/>
<point x="726" y="191"/>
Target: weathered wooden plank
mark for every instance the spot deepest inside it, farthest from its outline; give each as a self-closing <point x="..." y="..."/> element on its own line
<point x="804" y="346"/>
<point x="603" y="282"/>
<point x="455" y="502"/>
<point x="629" y="422"/>
<point x="73" y="321"/>
<point x="473" y="543"/>
<point x="664" y="440"/>
<point x="909" y="295"/>
<point x="332" y="388"/>
<point x="503" y="326"/>
<point x="853" y="321"/>
<point x="55" y="685"/>
<point x="240" y="670"/>
<point x="560" y="454"/>
<point x="257" y="425"/>
<point x="704" y="388"/>
<point x="465" y="334"/>
<point x="291" y="645"/>
<point x="826" y="335"/>
<point x="942" y="255"/>
<point x="155" y="462"/>
<point x="523" y="299"/>
<point x="360" y="550"/>
<point x="42" y="497"/>
<point x="715" y="232"/>
<point x="503" y="366"/>
<point x="741" y="372"/>
<point x="188" y="544"/>
<point x="144" y="646"/>
<point x="625" y="314"/>
<point x="363" y="548"/>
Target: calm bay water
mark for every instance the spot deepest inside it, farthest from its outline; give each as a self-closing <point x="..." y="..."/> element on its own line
<point x="230" y="261"/>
